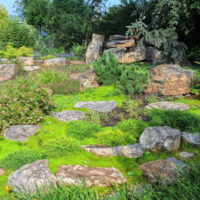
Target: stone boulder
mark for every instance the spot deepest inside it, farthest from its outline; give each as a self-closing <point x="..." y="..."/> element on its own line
<point x="160" y="138"/>
<point x="130" y="151"/>
<point x="54" y="62"/>
<point x="94" y="49"/>
<point x="26" y="61"/>
<point x="169" y="79"/>
<point x="192" y="138"/>
<point x="119" y="52"/>
<point x="167" y="105"/>
<point x="153" y="55"/>
<point x="98" y="106"/>
<point x="31" y="176"/>
<point x="31" y="68"/>
<point x="96" y="176"/>
<point x="165" y="171"/>
<point x="7" y="71"/>
<point x="87" y="79"/>
<point x="20" y="132"/>
<point x="69" y="115"/>
<point x="5" y="61"/>
<point x="120" y="43"/>
<point x="186" y="155"/>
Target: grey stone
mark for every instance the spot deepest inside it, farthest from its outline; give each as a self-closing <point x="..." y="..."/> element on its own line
<point x="98" y="106"/>
<point x="167" y="105"/>
<point x="160" y="138"/>
<point x="130" y="151"/>
<point x="192" y="138"/>
<point x="31" y="176"/>
<point x="20" y="132"/>
<point x="178" y="163"/>
<point x="94" y="49"/>
<point x="69" y="115"/>
<point x="31" y="68"/>
<point x="7" y="71"/>
<point x="96" y="176"/>
<point x="186" y="155"/>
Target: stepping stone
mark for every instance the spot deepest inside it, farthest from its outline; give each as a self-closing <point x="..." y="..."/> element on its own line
<point x="130" y="151"/>
<point x="192" y="138"/>
<point x="160" y="138"/>
<point x="96" y="176"/>
<point x="20" y="132"/>
<point x="167" y="105"/>
<point x="31" y="68"/>
<point x="69" y="115"/>
<point x="186" y="156"/>
<point x="165" y="171"/>
<point x="31" y="176"/>
<point x="98" y="106"/>
<point x="2" y="171"/>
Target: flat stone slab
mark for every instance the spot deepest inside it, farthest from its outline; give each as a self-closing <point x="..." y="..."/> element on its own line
<point x="130" y="151"/>
<point x="192" y="138"/>
<point x="98" y="106"/>
<point x="69" y="115"/>
<point x="186" y="155"/>
<point x="96" y="176"/>
<point x="167" y="105"/>
<point x="31" y="68"/>
<point x="20" y="132"/>
<point x="160" y="138"/>
<point x="31" y="176"/>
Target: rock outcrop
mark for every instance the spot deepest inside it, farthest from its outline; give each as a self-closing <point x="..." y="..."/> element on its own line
<point x="7" y="71"/>
<point x="169" y="79"/>
<point x="98" y="106"/>
<point x="160" y="138"/>
<point x="192" y="138"/>
<point x="96" y="176"/>
<point x="26" y="61"/>
<point x="129" y="151"/>
<point x="20" y="132"/>
<point x="54" y="62"/>
<point x="94" y="49"/>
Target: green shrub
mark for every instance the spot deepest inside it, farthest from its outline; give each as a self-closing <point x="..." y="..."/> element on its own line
<point x="61" y="146"/>
<point x="133" y="80"/>
<point x="151" y="99"/>
<point x="78" y="50"/>
<point x="46" y="57"/>
<point x="65" y="87"/>
<point x="183" y="121"/>
<point x="11" y="52"/>
<point x="24" y="102"/>
<point x="107" y="69"/>
<point x="132" y="127"/>
<point x="113" y="137"/>
<point x="20" y="158"/>
<point x="82" y="129"/>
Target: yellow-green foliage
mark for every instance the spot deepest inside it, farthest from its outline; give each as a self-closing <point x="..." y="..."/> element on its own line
<point x="11" y="52"/>
<point x="46" y="57"/>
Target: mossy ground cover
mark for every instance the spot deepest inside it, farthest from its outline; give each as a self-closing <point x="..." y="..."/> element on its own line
<point x="52" y="128"/>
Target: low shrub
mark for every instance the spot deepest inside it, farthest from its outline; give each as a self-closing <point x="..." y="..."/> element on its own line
<point x="46" y="57"/>
<point x="65" y="87"/>
<point x="24" y="102"/>
<point x="79" y="50"/>
<point x="82" y="129"/>
<point x="183" y="121"/>
<point x="107" y="69"/>
<point x="20" y="158"/>
<point x="61" y="146"/>
<point x="113" y="137"/>
<point x="132" y="127"/>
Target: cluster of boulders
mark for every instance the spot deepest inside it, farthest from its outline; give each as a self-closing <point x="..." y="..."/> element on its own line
<point x="124" y="47"/>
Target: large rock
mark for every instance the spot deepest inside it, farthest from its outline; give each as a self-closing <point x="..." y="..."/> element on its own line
<point x="31" y="68"/>
<point x="192" y="138"/>
<point x="96" y="176"/>
<point x="20" y="132"/>
<point x="165" y="171"/>
<point x="26" y="61"/>
<point x="120" y="43"/>
<point x="94" y="49"/>
<point x="160" y="138"/>
<point x="119" y="52"/>
<point x="169" y="79"/>
<point x="31" y="176"/>
<point x="87" y="79"/>
<point x="69" y="115"/>
<point x="167" y="105"/>
<point x="130" y="151"/>
<point x="7" y="71"/>
<point x="54" y="62"/>
<point x="5" y="61"/>
<point x="153" y="55"/>
<point x="98" y="106"/>
<point x="186" y="155"/>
